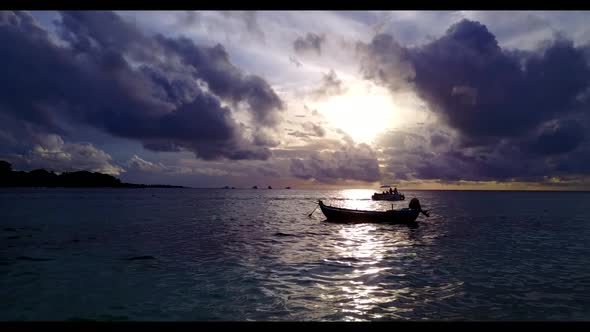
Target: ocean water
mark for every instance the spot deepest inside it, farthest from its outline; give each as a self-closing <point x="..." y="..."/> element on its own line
<point x="237" y="255"/>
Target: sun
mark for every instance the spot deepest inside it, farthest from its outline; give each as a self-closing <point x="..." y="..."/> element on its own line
<point x="360" y="113"/>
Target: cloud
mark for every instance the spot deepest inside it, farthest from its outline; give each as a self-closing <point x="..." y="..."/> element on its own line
<point x="310" y="130"/>
<point x="331" y="86"/>
<point x="316" y="129"/>
<point x="170" y="94"/>
<point x="294" y="61"/>
<point x="386" y="62"/>
<point x="249" y="18"/>
<point x="268" y="171"/>
<point x="136" y="163"/>
<point x="558" y="137"/>
<point x="477" y="87"/>
<point x="189" y="18"/>
<point x="437" y="139"/>
<point x="54" y="154"/>
<point x="349" y="162"/>
<point x="265" y="138"/>
<point x="515" y="114"/>
<point x="310" y="43"/>
<point x="423" y="156"/>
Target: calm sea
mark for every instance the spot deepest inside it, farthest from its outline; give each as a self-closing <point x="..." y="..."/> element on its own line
<point x="204" y="254"/>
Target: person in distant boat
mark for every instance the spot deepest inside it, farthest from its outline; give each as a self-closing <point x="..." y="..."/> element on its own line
<point x="390" y="191"/>
<point x="395" y="190"/>
<point x="415" y="205"/>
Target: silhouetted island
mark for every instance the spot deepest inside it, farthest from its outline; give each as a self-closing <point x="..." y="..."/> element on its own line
<point x="44" y="178"/>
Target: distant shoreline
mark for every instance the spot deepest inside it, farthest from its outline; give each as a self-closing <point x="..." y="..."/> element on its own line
<point x="41" y="178"/>
<point x="96" y="187"/>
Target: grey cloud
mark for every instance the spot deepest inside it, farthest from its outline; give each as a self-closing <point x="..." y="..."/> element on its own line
<point x="558" y="137"/>
<point x="115" y="78"/>
<point x="517" y="114"/>
<point x="54" y="154"/>
<point x="411" y="156"/>
<point x="249" y="18"/>
<point x="262" y="138"/>
<point x="189" y="18"/>
<point x="438" y="140"/>
<point x="316" y="129"/>
<point x="137" y="163"/>
<point x="350" y="162"/>
<point x="479" y="88"/>
<point x="268" y="171"/>
<point x="310" y="130"/>
<point x="295" y="61"/>
<point x="331" y="86"/>
<point x="310" y="43"/>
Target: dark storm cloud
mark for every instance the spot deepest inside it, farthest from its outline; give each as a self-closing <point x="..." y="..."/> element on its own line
<point x="438" y="139"/>
<point x="421" y="156"/>
<point x="310" y="43"/>
<point x="479" y="88"/>
<point x="113" y="77"/>
<point x="558" y="137"/>
<point x="517" y="114"/>
<point x="212" y="65"/>
<point x="348" y="162"/>
<point x="455" y="165"/>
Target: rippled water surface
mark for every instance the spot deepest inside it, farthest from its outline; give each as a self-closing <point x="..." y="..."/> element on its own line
<point x="196" y="254"/>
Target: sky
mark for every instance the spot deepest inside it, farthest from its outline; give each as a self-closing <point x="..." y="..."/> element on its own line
<point x="315" y="99"/>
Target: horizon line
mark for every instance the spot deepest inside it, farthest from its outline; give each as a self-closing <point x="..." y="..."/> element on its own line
<point x="409" y="189"/>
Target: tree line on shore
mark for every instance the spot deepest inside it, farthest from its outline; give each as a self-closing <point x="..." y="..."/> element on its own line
<point x="44" y="178"/>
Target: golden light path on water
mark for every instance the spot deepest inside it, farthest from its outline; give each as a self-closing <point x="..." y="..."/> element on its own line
<point x="363" y="246"/>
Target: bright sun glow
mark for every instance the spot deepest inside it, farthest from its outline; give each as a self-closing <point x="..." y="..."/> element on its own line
<point x="360" y="113"/>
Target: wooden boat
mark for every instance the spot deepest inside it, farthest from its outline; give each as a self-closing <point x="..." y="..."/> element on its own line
<point x="388" y="197"/>
<point x="401" y="216"/>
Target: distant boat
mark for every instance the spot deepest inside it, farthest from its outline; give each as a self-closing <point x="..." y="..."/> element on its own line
<point x="287" y="187"/>
<point x="269" y="187"/>
<point x="388" y="197"/>
<point x="401" y="216"/>
<point x="255" y="187"/>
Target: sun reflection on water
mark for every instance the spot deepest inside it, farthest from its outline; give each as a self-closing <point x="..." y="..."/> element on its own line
<point x="361" y="271"/>
<point x="360" y="199"/>
<point x="359" y="296"/>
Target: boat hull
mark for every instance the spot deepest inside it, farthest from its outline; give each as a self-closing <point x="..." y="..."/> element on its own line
<point x="402" y="216"/>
